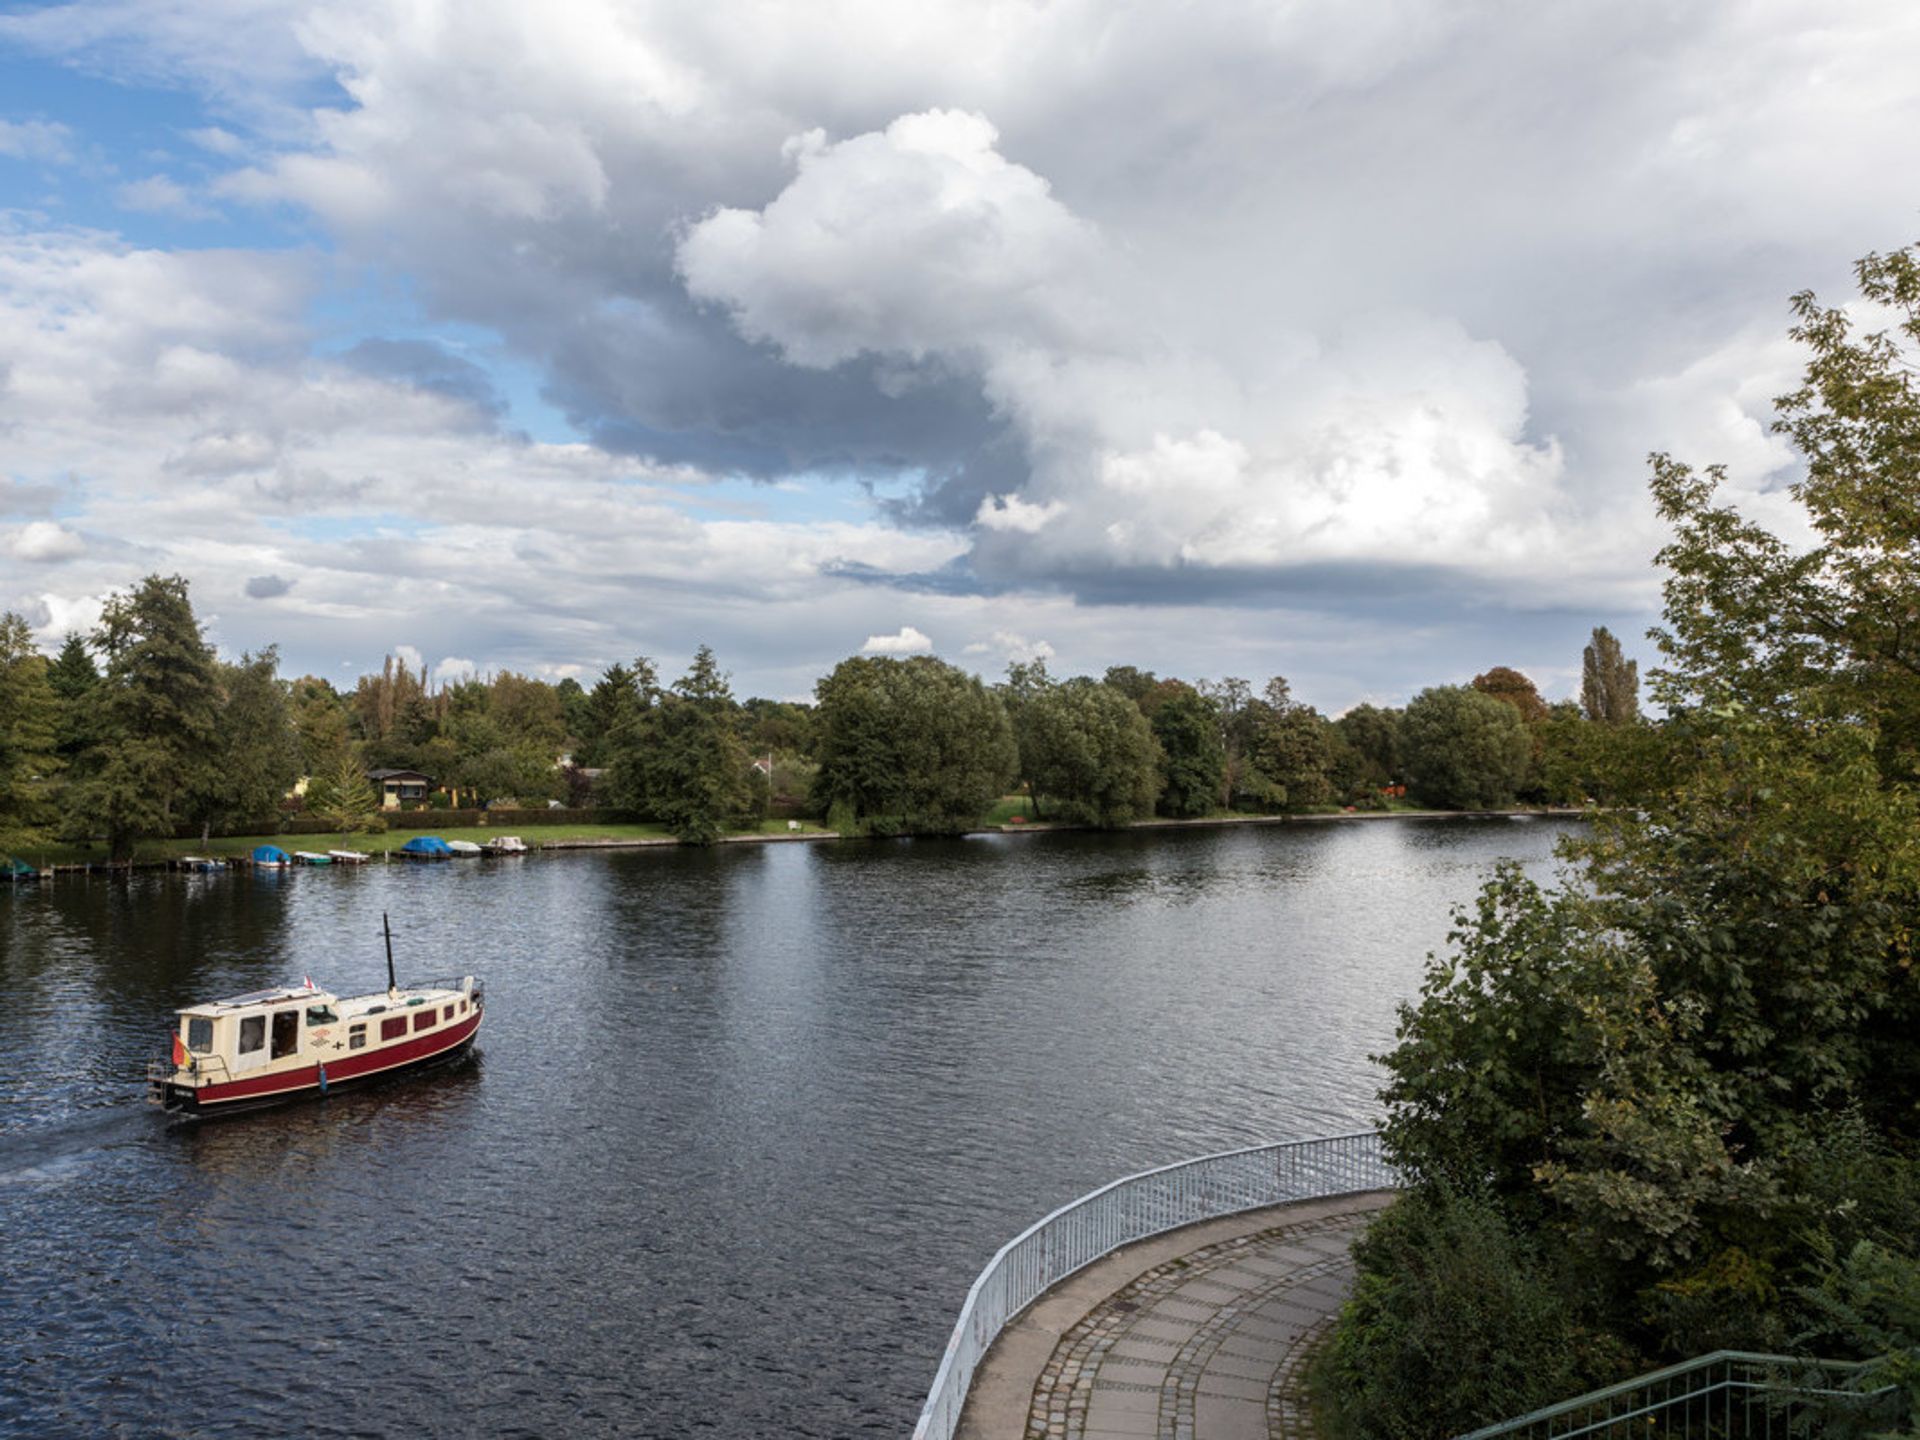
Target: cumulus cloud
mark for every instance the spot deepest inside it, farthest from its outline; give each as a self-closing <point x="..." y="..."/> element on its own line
<point x="45" y="542"/>
<point x="267" y="587"/>
<point x="452" y="670"/>
<point x="907" y="641"/>
<point x="161" y="195"/>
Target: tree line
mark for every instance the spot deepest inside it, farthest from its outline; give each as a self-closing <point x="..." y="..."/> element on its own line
<point x="139" y="729"/>
<point x="1672" y="1106"/>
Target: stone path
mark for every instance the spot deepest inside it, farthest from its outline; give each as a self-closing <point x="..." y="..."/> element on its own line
<point x="1193" y="1336"/>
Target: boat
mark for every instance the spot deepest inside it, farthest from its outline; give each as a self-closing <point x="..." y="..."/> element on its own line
<point x="12" y="869"/>
<point x="349" y="857"/>
<point x="271" y="856"/>
<point x="312" y="857"/>
<point x="465" y="849"/>
<point x="504" y="845"/>
<point x="426" y="847"/>
<point x="200" y="862"/>
<point x="298" y="1041"/>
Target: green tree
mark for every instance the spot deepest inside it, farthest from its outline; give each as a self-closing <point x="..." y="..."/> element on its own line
<point x="1193" y="757"/>
<point x="1373" y="733"/>
<point x="29" y="738"/>
<point x="615" y="704"/>
<point x="158" y="716"/>
<point x="1090" y="752"/>
<point x="1464" y="750"/>
<point x="73" y="677"/>
<point x="911" y="746"/>
<point x="257" y="756"/>
<point x="344" y="797"/>
<point x="1609" y="682"/>
<point x="1291" y="746"/>
<point x="681" y="761"/>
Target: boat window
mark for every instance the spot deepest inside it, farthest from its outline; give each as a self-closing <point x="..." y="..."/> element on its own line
<point x="199" y="1035"/>
<point x="447" y="1014"/>
<point x="357" y="1040"/>
<point x="253" y="1033"/>
<point x="424" y="1020"/>
<point x="320" y="1015"/>
<point x="463" y="1007"/>
<point x="393" y="1029"/>
<point x="286" y="1032"/>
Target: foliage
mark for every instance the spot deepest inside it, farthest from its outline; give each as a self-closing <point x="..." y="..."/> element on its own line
<point x="1089" y="754"/>
<point x="1503" y="682"/>
<point x="1457" y="1319"/>
<point x="345" y="798"/>
<point x="1464" y="750"/>
<point x="258" y="754"/>
<point x="29" y="739"/>
<point x="1292" y="748"/>
<point x="1193" y="757"/>
<point x="1865" y="1302"/>
<point x="158" y="715"/>
<point x="908" y="746"/>
<point x="1609" y="682"/>
<point x="1373" y="734"/>
<point x="73" y="677"/>
<point x="681" y="761"/>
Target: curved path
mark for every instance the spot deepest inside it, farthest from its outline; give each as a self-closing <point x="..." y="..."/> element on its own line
<point x="1193" y="1335"/>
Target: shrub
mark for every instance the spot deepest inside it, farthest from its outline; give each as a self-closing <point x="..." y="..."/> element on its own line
<point x="1455" y="1322"/>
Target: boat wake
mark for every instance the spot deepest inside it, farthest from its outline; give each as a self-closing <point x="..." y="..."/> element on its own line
<point x="58" y="1153"/>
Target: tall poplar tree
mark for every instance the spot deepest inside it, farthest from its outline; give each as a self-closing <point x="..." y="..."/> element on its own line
<point x="1609" y="682"/>
<point x="158" y="716"/>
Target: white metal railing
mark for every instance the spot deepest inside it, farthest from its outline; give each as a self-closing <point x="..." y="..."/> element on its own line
<point x="1132" y="1209"/>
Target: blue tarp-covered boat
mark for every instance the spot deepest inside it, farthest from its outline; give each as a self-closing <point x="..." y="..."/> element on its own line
<point x="12" y="869"/>
<point x="271" y="855"/>
<point x="426" y="847"/>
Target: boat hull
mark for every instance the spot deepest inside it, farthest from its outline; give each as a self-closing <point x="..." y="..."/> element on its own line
<point x="344" y="1072"/>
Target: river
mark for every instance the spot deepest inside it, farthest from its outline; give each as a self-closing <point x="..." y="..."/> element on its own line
<point x="742" y="1124"/>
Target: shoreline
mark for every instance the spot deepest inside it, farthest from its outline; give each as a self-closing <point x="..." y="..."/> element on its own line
<point x="81" y="868"/>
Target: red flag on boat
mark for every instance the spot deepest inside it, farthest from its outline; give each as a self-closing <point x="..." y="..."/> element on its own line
<point x="179" y="1052"/>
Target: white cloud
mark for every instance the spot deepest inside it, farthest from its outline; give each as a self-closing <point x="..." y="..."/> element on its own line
<point x="41" y="140"/>
<point x="410" y="656"/>
<point x="161" y="195"/>
<point x="452" y="670"/>
<point x="1010" y="512"/>
<point x="908" y="641"/>
<point x="44" y="542"/>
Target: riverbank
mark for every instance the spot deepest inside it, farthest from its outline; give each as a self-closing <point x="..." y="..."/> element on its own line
<point x="163" y="854"/>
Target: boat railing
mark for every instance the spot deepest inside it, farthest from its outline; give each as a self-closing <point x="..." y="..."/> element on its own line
<point x="460" y="984"/>
<point x="1133" y="1209"/>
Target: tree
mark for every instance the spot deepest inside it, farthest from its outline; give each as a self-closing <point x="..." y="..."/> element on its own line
<point x="1503" y="682"/>
<point x="1291" y="748"/>
<point x="1464" y="750"/>
<point x="681" y="761"/>
<point x="1609" y="682"/>
<point x="344" y="797"/>
<point x="258" y="755"/>
<point x="73" y="678"/>
<point x="1193" y="758"/>
<point x="158" y="716"/>
<point x="1374" y="735"/>
<point x="614" y="704"/>
<point x="912" y="746"/>
<point x="1090" y="752"/>
<point x="29" y="738"/>
<point x="1233" y="699"/>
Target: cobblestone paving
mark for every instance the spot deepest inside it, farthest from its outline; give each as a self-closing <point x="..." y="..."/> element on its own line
<point x="1205" y="1347"/>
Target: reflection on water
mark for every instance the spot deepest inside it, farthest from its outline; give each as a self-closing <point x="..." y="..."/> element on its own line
<point x="741" y="1128"/>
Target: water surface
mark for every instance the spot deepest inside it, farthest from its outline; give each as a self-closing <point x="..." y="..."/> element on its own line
<point x="742" y="1126"/>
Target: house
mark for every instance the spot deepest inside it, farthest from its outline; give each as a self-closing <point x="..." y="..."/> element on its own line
<point x="398" y="785"/>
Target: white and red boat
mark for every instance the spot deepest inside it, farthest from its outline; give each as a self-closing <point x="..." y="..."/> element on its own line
<point x="275" y="1045"/>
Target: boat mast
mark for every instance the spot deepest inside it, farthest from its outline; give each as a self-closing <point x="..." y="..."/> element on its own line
<point x="393" y="985"/>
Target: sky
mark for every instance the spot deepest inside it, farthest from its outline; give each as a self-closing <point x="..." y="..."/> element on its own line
<point x="1318" y="338"/>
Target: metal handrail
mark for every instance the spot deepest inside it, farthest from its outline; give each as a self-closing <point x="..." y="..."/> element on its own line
<point x="1725" y="1394"/>
<point x="1133" y="1209"/>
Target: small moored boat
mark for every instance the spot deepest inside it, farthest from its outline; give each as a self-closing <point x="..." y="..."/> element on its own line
<point x="271" y="1046"/>
<point x="504" y="845"/>
<point x="271" y="856"/>
<point x="203" y="863"/>
<point x="426" y="847"/>
<point x="312" y="857"/>
<point x="348" y="857"/>
<point x="464" y="849"/>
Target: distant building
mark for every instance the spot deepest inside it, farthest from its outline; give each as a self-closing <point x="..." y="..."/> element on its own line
<point x="396" y="786"/>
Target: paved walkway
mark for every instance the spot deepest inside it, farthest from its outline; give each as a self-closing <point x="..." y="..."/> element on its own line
<point x="1195" y="1335"/>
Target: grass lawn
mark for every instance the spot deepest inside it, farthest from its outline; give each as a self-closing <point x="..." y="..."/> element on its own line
<point x="534" y="835"/>
<point x="1006" y="807"/>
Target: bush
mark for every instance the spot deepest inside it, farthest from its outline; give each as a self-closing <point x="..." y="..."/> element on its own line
<point x="1455" y="1322"/>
